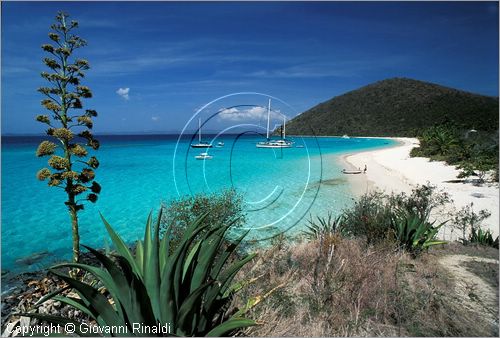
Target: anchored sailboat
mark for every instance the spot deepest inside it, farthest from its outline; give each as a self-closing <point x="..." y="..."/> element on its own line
<point x="269" y="143"/>
<point x="200" y="144"/>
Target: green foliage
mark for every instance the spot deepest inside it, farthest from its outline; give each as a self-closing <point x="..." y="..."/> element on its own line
<point x="397" y="107"/>
<point x="415" y="233"/>
<point x="422" y="199"/>
<point x="468" y="221"/>
<point x="70" y="170"/>
<point x="474" y="152"/>
<point x="439" y="140"/>
<point x="322" y="227"/>
<point x="479" y="236"/>
<point x="370" y="217"/>
<point x="190" y="289"/>
<point x="403" y="218"/>
<point x="225" y="208"/>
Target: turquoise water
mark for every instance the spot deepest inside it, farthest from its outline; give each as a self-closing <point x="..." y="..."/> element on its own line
<point x="281" y="188"/>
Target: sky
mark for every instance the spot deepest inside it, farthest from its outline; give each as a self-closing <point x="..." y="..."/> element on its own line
<point x="155" y="64"/>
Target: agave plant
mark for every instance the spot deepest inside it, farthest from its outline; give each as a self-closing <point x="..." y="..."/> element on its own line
<point x="323" y="226"/>
<point x="414" y="232"/>
<point x="483" y="237"/>
<point x="189" y="290"/>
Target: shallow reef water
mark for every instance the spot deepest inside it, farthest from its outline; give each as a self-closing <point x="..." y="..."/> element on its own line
<point x="281" y="188"/>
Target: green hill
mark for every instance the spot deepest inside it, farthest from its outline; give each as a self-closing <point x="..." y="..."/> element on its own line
<point x="396" y="107"/>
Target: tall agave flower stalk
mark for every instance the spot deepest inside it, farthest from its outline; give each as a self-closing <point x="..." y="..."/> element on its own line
<point x="71" y="168"/>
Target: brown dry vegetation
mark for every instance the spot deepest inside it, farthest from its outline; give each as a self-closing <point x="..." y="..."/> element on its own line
<point x="341" y="286"/>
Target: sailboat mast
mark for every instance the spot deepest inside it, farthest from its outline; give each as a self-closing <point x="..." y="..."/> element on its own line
<point x="199" y="130"/>
<point x="284" y="127"/>
<point x="268" y="118"/>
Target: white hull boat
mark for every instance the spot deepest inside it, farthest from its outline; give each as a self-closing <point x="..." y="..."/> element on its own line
<point x="200" y="143"/>
<point x="283" y="143"/>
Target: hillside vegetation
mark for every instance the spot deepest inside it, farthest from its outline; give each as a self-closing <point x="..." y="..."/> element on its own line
<point x="397" y="107"/>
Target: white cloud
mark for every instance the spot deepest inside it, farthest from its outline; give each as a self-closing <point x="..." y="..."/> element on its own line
<point x="155" y="118"/>
<point x="123" y="92"/>
<point x="253" y="113"/>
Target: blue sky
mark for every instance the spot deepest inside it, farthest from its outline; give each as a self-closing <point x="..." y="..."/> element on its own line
<point x="176" y="57"/>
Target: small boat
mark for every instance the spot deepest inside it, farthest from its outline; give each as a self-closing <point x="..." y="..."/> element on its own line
<point x="283" y="143"/>
<point x="299" y="146"/>
<point x="200" y="144"/>
<point x="345" y="136"/>
<point x="203" y="156"/>
<point x="220" y="145"/>
<point x="351" y="171"/>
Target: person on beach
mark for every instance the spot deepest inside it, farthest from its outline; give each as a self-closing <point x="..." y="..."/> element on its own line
<point x="364" y="171"/>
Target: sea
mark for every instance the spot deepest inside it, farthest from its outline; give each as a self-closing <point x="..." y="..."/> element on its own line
<point x="281" y="188"/>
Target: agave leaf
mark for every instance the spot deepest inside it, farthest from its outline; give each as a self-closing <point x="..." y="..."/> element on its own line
<point x="77" y="304"/>
<point x="151" y="265"/>
<point x="225" y="256"/>
<point x="430" y="243"/>
<point x="228" y="275"/>
<point x="95" y="299"/>
<point x="210" y="247"/>
<point x="121" y="247"/>
<point x="171" y="275"/>
<point x="121" y="291"/>
<point x="139" y="256"/>
<point x="140" y="304"/>
<point x="164" y="249"/>
<point x="187" y="264"/>
<point x="230" y="325"/>
<point x="189" y="308"/>
<point x="51" y="295"/>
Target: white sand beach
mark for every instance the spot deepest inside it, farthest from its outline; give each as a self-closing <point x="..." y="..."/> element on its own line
<point x="393" y="170"/>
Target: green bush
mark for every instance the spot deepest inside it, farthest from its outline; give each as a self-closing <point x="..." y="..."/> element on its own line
<point x="466" y="220"/>
<point x="190" y="289"/>
<point x="422" y="199"/>
<point x="401" y="217"/>
<point x="475" y="153"/>
<point x="225" y="208"/>
<point x="370" y="217"/>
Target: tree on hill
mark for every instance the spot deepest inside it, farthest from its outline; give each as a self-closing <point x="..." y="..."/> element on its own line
<point x="71" y="168"/>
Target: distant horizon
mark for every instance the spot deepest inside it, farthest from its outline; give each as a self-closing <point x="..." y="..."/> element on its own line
<point x="210" y="131"/>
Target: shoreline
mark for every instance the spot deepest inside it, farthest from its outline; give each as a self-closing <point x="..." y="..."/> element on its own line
<point x="392" y="169"/>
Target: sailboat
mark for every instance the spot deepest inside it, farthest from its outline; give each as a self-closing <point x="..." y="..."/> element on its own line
<point x="200" y="144"/>
<point x="269" y="143"/>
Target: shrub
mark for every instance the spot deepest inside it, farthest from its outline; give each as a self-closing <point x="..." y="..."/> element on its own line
<point x="466" y="220"/>
<point x="421" y="201"/>
<point x="225" y="208"/>
<point x="402" y="218"/>
<point x="190" y="290"/>
<point x="370" y="217"/>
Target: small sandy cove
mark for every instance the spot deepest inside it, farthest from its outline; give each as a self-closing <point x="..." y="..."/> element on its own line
<point x="393" y="170"/>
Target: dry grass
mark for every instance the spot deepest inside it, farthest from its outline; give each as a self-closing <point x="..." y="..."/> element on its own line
<point x="338" y="286"/>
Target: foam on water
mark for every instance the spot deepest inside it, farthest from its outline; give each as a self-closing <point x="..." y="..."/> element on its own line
<point x="281" y="188"/>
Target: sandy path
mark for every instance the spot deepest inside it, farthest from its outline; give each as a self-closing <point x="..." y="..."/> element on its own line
<point x="393" y="170"/>
<point x="473" y="292"/>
